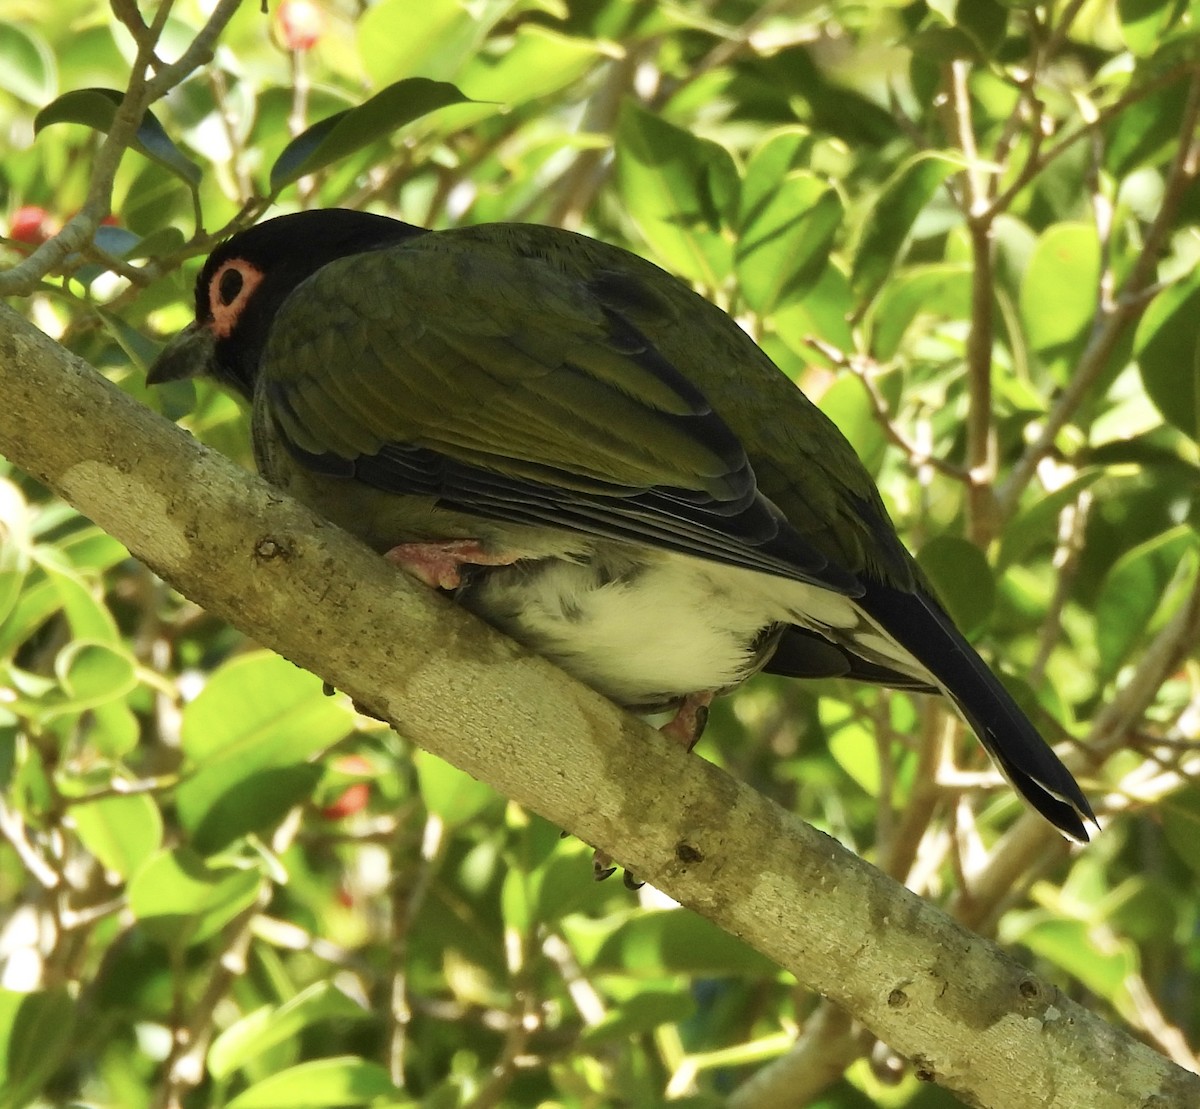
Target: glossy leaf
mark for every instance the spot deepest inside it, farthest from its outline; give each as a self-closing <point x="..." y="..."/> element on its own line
<point x="643" y="1012"/>
<point x="784" y="240"/>
<point x="940" y="291"/>
<point x="345" y="132"/>
<point x="344" y="1081"/>
<point x="534" y="63"/>
<point x="1145" y="22"/>
<point x="439" y="37"/>
<point x="681" y="191"/>
<point x="182" y="900"/>
<point x="96" y="108"/>
<point x="122" y="832"/>
<point x="887" y="228"/>
<point x="251" y="734"/>
<point x="1136" y="588"/>
<point x="1058" y="293"/>
<point x="15" y="559"/>
<point x="265" y="710"/>
<point x="258" y="1032"/>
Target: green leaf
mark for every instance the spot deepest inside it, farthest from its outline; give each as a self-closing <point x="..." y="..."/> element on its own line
<point x="823" y="313"/>
<point x="852" y="744"/>
<point x="1136" y="588"/>
<point x="1145" y="22"/>
<point x="257" y="1033"/>
<point x="985" y="21"/>
<point x="1036" y="525"/>
<point x="345" y="132"/>
<point x="643" y="1012"/>
<point x="94" y="673"/>
<point x="1168" y="354"/>
<point x="1103" y="969"/>
<point x="260" y="703"/>
<point x="343" y="1081"/>
<point x="27" y="68"/>
<point x="96" y="108"/>
<point x="449" y="792"/>
<point x="784" y="240"/>
<point x="963" y="579"/>
<point x="680" y="191"/>
<point x="941" y="290"/>
<point x="533" y="63"/>
<point x="122" y="832"/>
<point x="438" y="37"/>
<point x="848" y="405"/>
<point x="251" y="734"/>
<point x="226" y="801"/>
<point x="182" y="900"/>
<point x="1061" y="283"/>
<point x="35" y="1032"/>
<point x="888" y="226"/>
<point x="88" y="616"/>
<point x="1181" y="826"/>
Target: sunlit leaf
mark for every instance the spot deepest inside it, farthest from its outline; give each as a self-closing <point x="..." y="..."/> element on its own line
<point x="784" y="240"/>
<point x="344" y="1081"/>
<point x="122" y="832"/>
<point x="1134" y="590"/>
<point x="96" y="108"/>
<point x="265" y="1028"/>
<point x="681" y="191"/>
<point x="454" y="795"/>
<point x="182" y="900"/>
<point x="1061" y="284"/>
<point x="889" y="223"/>
<point x="345" y="132"/>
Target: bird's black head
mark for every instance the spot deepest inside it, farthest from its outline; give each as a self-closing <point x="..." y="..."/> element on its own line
<point x="249" y="276"/>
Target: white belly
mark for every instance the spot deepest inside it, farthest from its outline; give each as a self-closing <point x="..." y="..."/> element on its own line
<point x="649" y="627"/>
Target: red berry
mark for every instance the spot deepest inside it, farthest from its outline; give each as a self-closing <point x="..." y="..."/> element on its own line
<point x="31" y="224"/>
<point x="301" y="24"/>
<point x="352" y="799"/>
<point x="355" y="796"/>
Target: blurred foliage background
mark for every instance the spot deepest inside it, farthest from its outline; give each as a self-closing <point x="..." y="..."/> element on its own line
<point x="968" y="230"/>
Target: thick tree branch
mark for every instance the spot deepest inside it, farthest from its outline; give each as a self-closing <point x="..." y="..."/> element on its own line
<point x="967" y="1015"/>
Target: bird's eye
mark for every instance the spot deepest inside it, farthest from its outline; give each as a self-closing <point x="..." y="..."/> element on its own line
<point x="229" y="286"/>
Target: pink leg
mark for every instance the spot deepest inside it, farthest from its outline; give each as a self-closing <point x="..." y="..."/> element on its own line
<point x="688" y="723"/>
<point x="439" y="564"/>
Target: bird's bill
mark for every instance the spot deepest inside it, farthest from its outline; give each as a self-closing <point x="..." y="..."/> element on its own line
<point x="189" y="354"/>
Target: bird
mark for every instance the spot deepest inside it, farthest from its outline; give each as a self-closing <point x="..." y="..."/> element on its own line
<point x="589" y="455"/>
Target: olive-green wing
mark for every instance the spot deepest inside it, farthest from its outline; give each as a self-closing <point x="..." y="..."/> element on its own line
<point x="461" y="368"/>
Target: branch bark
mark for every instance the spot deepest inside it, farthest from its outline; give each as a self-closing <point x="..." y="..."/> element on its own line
<point x="964" y="1012"/>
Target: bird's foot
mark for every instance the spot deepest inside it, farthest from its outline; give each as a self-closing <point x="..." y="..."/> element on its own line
<point x="687" y="726"/>
<point x="604" y="867"/>
<point x="439" y="565"/>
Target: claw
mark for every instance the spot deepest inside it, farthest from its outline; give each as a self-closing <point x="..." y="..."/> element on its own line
<point x="687" y="726"/>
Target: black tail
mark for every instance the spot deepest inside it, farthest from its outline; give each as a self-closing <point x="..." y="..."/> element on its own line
<point x="918" y="624"/>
